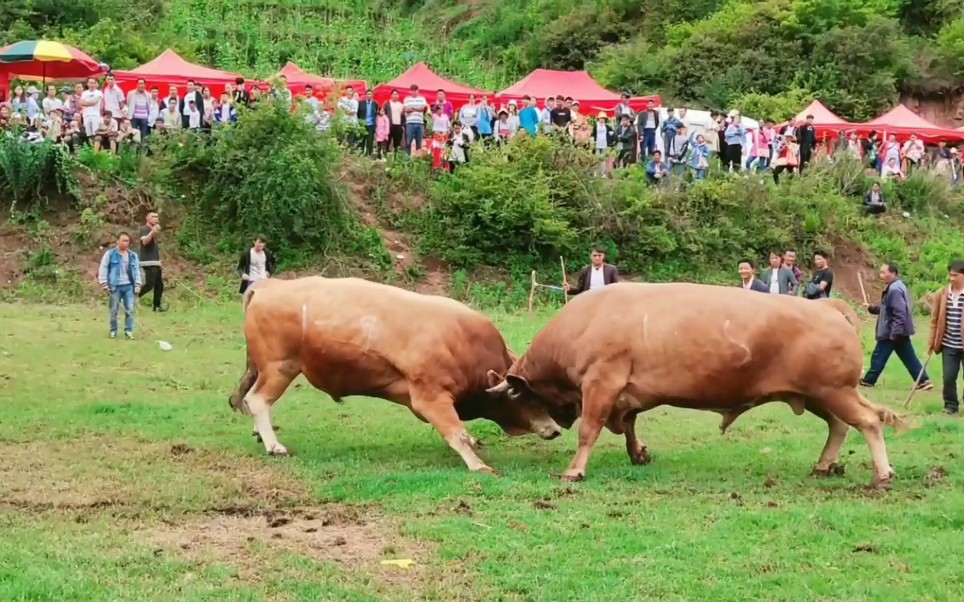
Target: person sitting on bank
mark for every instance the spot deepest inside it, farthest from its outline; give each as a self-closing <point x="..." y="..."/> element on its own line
<point x="595" y="275"/>
<point x="874" y="201"/>
<point x="748" y="279"/>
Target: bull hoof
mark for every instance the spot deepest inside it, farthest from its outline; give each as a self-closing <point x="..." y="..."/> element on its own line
<point x="572" y="476"/>
<point x="833" y="470"/>
<point x="487" y="470"/>
<point x="883" y="483"/>
<point x="278" y="450"/>
<point x="640" y="457"/>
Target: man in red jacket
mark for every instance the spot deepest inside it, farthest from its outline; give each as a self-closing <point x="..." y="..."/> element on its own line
<point x="595" y="275"/>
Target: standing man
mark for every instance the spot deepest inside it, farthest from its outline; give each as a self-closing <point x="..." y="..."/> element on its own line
<point x="822" y="282"/>
<point x="90" y="102"/>
<point x="368" y="111"/>
<point x="256" y="264"/>
<point x="415" y="107"/>
<point x="595" y="275"/>
<point x="946" y="333"/>
<point x="748" y="279"/>
<point x="790" y="262"/>
<point x="807" y="136"/>
<point x="120" y="275"/>
<point x="150" y="260"/>
<point x="778" y="278"/>
<point x="895" y="327"/>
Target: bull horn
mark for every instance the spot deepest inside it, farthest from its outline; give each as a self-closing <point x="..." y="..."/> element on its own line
<point x="499" y="389"/>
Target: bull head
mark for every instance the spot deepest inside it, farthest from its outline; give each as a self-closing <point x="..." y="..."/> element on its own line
<point x="512" y="387"/>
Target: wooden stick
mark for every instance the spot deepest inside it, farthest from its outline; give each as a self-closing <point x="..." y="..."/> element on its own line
<point x="565" y="279"/>
<point x="863" y="291"/>
<point x="532" y="292"/>
<point x="923" y="369"/>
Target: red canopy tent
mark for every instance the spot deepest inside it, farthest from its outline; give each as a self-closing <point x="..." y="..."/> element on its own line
<point x="428" y="82"/>
<point x="823" y="118"/>
<point x="903" y="122"/>
<point x="298" y="79"/>
<point x="543" y="83"/>
<point x="169" y="69"/>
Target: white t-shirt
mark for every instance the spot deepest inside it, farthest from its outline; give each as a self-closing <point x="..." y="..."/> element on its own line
<point x="113" y="97"/>
<point x="258" y="270"/>
<point x="596" y="278"/>
<point x="775" y="282"/>
<point x="91" y="96"/>
<point x="419" y="104"/>
<point x="50" y="104"/>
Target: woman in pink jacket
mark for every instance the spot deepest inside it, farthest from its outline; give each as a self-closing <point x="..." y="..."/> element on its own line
<point x="383" y="126"/>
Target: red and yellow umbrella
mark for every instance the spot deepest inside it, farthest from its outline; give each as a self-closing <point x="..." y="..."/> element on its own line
<point x="40" y="59"/>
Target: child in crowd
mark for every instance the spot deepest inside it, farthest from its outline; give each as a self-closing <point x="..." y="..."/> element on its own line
<point x="383" y="128"/>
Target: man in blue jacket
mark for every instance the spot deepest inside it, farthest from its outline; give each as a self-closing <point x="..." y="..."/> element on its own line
<point x="895" y="327"/>
<point x="120" y="276"/>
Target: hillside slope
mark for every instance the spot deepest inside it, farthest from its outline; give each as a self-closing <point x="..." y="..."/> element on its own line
<point x="766" y="56"/>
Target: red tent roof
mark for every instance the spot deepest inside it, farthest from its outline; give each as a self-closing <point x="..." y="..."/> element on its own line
<point x="902" y="121"/>
<point x="298" y="78"/>
<point x="822" y="116"/>
<point x="543" y="83"/>
<point x="428" y="81"/>
<point x="170" y="67"/>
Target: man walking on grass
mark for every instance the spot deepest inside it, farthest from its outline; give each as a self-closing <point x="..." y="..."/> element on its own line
<point x="150" y="258"/>
<point x="120" y="275"/>
<point x="946" y="333"/>
<point x="895" y="327"/>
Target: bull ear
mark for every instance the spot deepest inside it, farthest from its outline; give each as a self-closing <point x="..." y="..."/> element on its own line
<point x="518" y="383"/>
<point x="494" y="378"/>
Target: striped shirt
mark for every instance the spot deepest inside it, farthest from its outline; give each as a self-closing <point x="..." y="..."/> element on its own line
<point x="952" y="325"/>
<point x="419" y="104"/>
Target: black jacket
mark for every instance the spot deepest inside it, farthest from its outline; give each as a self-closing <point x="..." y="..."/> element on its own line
<point x="363" y="113"/>
<point x="244" y="266"/>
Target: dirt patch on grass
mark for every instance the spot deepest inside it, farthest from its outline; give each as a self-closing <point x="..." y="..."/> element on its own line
<point x="127" y="476"/>
<point x="328" y="533"/>
<point x="851" y="264"/>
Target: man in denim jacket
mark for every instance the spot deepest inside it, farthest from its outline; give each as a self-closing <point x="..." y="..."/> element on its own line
<point x="895" y="327"/>
<point x="120" y="276"/>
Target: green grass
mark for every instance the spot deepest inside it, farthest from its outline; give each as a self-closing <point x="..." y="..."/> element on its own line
<point x="125" y="476"/>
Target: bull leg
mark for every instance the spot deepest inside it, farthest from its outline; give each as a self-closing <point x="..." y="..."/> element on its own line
<point x="638" y="454"/>
<point x="440" y="412"/>
<point x="845" y="404"/>
<point x="270" y="386"/>
<point x="827" y="465"/>
<point x="598" y="402"/>
<point x="248" y="379"/>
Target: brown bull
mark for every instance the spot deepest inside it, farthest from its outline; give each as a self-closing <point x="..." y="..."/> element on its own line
<point x="353" y="337"/>
<point x="612" y="354"/>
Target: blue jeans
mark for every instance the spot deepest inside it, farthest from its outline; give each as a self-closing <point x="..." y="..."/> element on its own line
<point x="905" y="351"/>
<point x="122" y="293"/>
<point x="699" y="174"/>
<point x="416" y="132"/>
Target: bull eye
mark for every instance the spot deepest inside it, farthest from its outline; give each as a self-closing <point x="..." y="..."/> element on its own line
<point x="513" y="394"/>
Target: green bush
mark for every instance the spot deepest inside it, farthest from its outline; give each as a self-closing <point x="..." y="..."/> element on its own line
<point x="30" y="172"/>
<point x="271" y="173"/>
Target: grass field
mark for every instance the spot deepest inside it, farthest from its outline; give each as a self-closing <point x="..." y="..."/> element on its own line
<point x="125" y="476"/>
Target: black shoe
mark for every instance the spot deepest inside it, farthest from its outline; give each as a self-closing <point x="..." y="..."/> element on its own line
<point x="950" y="411"/>
<point x="925" y="386"/>
<point x="864" y="383"/>
<point x="160" y="309"/>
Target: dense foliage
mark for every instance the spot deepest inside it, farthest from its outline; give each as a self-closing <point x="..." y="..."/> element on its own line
<point x="30" y="173"/>
<point x="536" y="200"/>
<point x="762" y="55"/>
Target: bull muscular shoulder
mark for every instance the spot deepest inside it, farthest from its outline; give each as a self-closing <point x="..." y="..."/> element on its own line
<point x="356" y="337"/>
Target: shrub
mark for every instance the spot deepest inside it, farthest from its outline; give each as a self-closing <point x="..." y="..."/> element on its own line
<point x="30" y="172"/>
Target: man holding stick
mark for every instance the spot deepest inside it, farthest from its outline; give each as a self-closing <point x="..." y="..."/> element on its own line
<point x="946" y="333"/>
<point x="595" y="275"/>
<point x="895" y="327"/>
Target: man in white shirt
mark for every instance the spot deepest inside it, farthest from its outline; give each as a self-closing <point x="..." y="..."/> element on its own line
<point x="114" y="100"/>
<point x="596" y="275"/>
<point x="51" y="102"/>
<point x="415" y="107"/>
<point x="90" y="102"/>
<point x="255" y="264"/>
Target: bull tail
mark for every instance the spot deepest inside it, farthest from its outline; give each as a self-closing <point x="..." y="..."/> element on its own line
<point x="886" y="415"/>
<point x="846" y="311"/>
<point x="250" y="376"/>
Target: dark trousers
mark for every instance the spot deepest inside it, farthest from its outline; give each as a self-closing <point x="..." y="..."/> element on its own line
<point x="779" y="169"/>
<point x="369" y="143"/>
<point x="952" y="360"/>
<point x="141" y="126"/>
<point x="396" y="135"/>
<point x="904" y="349"/>
<point x="153" y="281"/>
<point x="805" y="156"/>
<point x="733" y="155"/>
<point x="649" y="142"/>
